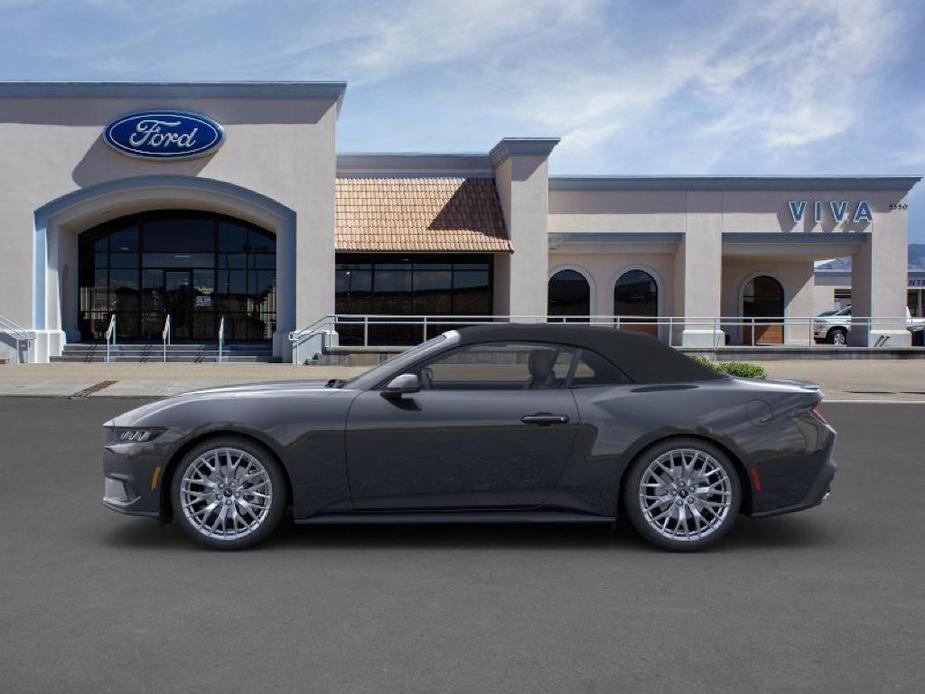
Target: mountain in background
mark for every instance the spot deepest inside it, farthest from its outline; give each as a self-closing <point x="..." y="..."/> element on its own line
<point x="916" y="260"/>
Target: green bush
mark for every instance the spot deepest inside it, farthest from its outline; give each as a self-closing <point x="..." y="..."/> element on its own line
<point x="738" y="369"/>
<point x="742" y="369"/>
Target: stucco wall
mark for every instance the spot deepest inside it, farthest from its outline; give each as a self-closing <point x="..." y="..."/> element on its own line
<point x="523" y="189"/>
<point x="282" y="149"/>
<point x="823" y="298"/>
<point x="604" y="270"/>
<point x="796" y="278"/>
<point x="620" y="211"/>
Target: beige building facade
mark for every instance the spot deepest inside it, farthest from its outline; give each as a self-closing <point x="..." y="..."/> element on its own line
<point x="271" y="229"/>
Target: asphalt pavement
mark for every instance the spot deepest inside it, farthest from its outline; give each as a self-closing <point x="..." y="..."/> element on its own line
<point x="829" y="600"/>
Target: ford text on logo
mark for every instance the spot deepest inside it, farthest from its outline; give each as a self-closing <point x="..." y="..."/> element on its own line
<point x="164" y="134"/>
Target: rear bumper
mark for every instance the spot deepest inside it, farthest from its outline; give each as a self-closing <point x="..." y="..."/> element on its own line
<point x="818" y="491"/>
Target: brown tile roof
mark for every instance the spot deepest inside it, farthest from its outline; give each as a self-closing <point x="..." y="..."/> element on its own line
<point x="419" y="214"/>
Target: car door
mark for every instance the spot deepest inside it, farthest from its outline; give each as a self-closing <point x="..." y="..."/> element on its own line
<point x="492" y="427"/>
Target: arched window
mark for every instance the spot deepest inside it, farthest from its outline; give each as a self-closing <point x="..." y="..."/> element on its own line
<point x="196" y="267"/>
<point x="635" y="300"/>
<point x="763" y="300"/>
<point x="569" y="295"/>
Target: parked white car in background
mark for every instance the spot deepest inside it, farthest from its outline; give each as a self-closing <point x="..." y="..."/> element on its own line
<point x="833" y="326"/>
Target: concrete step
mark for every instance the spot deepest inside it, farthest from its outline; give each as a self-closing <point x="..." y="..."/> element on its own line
<point x="154" y="352"/>
<point x="144" y="352"/>
<point x="262" y="347"/>
<point x="171" y="358"/>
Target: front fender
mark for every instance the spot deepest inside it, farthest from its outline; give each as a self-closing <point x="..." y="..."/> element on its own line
<point x="304" y="429"/>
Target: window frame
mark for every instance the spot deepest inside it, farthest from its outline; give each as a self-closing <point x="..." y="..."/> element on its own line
<point x="420" y="366"/>
<point x="577" y="352"/>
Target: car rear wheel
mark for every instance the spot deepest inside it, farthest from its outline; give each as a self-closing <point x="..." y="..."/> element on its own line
<point x="838" y="336"/>
<point x="682" y="495"/>
<point x="228" y="493"/>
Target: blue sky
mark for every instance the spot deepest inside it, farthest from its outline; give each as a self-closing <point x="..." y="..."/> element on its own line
<point x="756" y="87"/>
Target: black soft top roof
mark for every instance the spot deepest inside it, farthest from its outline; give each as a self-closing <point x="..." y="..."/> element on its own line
<point x="644" y="359"/>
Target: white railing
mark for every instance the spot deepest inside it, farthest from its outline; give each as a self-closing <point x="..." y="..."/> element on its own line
<point x="298" y="338"/>
<point x="221" y="339"/>
<point x="110" y="336"/>
<point x="359" y="331"/>
<point x="18" y="334"/>
<point x="165" y="336"/>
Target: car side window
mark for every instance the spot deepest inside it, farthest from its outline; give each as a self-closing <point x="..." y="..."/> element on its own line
<point x="499" y="366"/>
<point x="592" y="369"/>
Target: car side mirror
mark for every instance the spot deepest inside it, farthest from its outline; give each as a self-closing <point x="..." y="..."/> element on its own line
<point x="400" y="385"/>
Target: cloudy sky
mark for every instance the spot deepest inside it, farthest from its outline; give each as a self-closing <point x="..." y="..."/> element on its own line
<point x="769" y="87"/>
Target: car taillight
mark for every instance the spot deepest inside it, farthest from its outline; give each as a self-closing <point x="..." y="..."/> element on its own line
<point x="818" y="415"/>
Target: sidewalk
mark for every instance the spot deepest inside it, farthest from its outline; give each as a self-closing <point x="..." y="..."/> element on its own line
<point x="150" y="380"/>
<point x="868" y="379"/>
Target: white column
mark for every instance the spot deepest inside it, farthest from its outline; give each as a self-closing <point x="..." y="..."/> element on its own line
<point x="522" y="179"/>
<point x="702" y="253"/>
<point x="878" y="283"/>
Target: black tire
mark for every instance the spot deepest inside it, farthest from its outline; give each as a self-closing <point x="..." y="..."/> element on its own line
<point x="838" y="336"/>
<point x="276" y="505"/>
<point x="633" y="502"/>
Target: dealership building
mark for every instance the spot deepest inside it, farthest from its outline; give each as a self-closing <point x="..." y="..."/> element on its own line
<point x="226" y="205"/>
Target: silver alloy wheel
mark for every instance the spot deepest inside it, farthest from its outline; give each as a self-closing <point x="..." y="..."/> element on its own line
<point x="839" y="337"/>
<point x="226" y="493"/>
<point x="685" y="494"/>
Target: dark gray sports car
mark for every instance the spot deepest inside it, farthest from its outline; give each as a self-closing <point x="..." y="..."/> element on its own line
<point x="500" y="423"/>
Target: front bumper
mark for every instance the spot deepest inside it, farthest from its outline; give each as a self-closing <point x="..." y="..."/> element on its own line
<point x="132" y="478"/>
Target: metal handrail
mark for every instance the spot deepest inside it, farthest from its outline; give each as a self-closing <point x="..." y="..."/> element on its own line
<point x="298" y="337"/>
<point x="165" y="336"/>
<point x="667" y="328"/>
<point x="18" y="333"/>
<point x="221" y="339"/>
<point x="110" y="336"/>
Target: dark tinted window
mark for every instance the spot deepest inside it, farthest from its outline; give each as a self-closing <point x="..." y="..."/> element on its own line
<point x="402" y="286"/>
<point x="635" y="294"/>
<point x="594" y="370"/>
<point x="569" y="295"/>
<point x="763" y="298"/>
<point x="194" y="266"/>
<point x="499" y="366"/>
<point x="179" y="235"/>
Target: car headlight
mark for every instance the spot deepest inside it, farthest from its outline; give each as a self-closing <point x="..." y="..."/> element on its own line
<point x="136" y="435"/>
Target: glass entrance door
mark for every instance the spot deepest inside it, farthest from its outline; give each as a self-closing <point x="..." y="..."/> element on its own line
<point x="188" y="297"/>
<point x="178" y="302"/>
<point x="195" y="266"/>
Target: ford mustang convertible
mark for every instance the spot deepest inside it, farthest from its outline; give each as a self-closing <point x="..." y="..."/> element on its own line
<point x="495" y="423"/>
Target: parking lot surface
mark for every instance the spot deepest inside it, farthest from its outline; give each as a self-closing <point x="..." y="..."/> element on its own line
<point x="830" y="600"/>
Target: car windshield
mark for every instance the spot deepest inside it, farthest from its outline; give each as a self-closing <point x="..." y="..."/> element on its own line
<point x="399" y="361"/>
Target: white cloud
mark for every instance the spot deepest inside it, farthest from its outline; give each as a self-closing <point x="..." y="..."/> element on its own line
<point x="773" y="76"/>
<point x="386" y="41"/>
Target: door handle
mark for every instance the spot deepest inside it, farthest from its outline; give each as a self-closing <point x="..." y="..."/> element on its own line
<point x="544" y="419"/>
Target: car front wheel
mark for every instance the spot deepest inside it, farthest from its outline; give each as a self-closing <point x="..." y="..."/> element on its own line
<point x="838" y="336"/>
<point x="682" y="495"/>
<point x="228" y="493"/>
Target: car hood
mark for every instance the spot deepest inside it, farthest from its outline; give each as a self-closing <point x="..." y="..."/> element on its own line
<point x="266" y="386"/>
<point x="144" y="414"/>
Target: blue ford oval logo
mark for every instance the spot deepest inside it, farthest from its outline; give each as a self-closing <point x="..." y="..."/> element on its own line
<point x="164" y="134"/>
